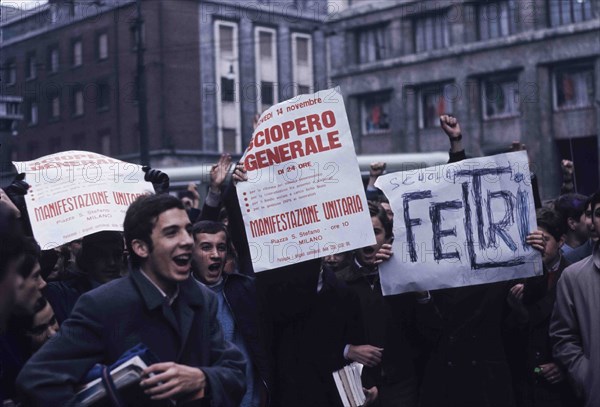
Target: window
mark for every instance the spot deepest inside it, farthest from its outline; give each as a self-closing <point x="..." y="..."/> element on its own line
<point x="134" y="36"/>
<point x="302" y="50"/>
<point x="431" y="32"/>
<point x="569" y="11"/>
<point x="11" y="73"/>
<point x="372" y="44"/>
<point x="31" y="66"/>
<point x="574" y="87"/>
<point x="9" y="109"/>
<point x="435" y="101"/>
<point x="227" y="74"/>
<point x="267" y="93"/>
<point x="229" y="139"/>
<point x="102" y="46"/>
<point x="102" y="96"/>
<point x="54" y="107"/>
<point x="53" y="59"/>
<point x="375" y="113"/>
<point x="76" y="53"/>
<point x="54" y="13"/>
<point x="302" y="63"/>
<point x="500" y="97"/>
<point x="226" y="39"/>
<point x="77" y="101"/>
<point x="497" y="19"/>
<point x="104" y="137"/>
<point x="266" y="67"/>
<point x="303" y="90"/>
<point x="265" y="39"/>
<point x="227" y="90"/>
<point x="32" y="113"/>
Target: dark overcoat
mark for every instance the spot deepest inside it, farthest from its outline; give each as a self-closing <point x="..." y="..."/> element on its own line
<point x="108" y="321"/>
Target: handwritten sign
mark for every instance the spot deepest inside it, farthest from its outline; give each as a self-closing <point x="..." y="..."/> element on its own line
<point x="460" y="224"/>
<point x="77" y="193"/>
<point x="304" y="198"/>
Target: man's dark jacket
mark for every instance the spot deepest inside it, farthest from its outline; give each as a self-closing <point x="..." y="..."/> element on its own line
<point x="63" y="295"/>
<point x="108" y="321"/>
<point x="240" y="296"/>
<point x="306" y="329"/>
<point x="468" y="365"/>
<point x="309" y="332"/>
<point x="386" y="326"/>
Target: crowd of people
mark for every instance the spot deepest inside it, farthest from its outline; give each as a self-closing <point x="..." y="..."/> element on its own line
<point x="178" y="283"/>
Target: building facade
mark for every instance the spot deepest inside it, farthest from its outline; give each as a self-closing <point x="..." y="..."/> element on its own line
<point x="509" y="70"/>
<point x="209" y="68"/>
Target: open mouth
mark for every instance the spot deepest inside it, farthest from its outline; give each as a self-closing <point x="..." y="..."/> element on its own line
<point x="214" y="267"/>
<point x="183" y="259"/>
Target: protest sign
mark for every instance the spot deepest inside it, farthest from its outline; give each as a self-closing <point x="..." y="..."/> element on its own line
<point x="77" y="193"/>
<point x="304" y="198"/>
<point x="460" y="224"/>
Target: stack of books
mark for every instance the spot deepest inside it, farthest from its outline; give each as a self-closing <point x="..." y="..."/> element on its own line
<point x="126" y="378"/>
<point x="349" y="385"/>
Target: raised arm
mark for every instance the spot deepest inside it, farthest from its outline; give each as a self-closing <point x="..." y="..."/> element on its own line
<point x="218" y="174"/>
<point x="451" y="127"/>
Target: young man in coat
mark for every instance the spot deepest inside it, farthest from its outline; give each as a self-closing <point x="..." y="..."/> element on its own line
<point x="157" y="304"/>
<point x="388" y="358"/>
<point x="311" y="321"/>
<point x="574" y="326"/>
<point x="237" y="311"/>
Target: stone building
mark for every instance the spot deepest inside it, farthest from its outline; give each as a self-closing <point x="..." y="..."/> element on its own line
<point x="210" y="66"/>
<point x="510" y="70"/>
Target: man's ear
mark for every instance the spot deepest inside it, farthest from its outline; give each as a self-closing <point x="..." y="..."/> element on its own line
<point x="140" y="248"/>
<point x="561" y="242"/>
<point x="571" y="223"/>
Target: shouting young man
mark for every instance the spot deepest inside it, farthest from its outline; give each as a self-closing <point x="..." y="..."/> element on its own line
<point x="157" y="304"/>
<point x="237" y="311"/>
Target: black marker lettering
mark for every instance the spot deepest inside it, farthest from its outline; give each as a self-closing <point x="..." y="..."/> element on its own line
<point x="409" y="223"/>
<point x="499" y="228"/>
<point x="435" y="213"/>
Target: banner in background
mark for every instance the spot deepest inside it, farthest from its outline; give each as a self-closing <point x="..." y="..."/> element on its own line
<point x="77" y="193"/>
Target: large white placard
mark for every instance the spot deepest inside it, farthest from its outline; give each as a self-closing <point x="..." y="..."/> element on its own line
<point x="460" y="224"/>
<point x="77" y="193"/>
<point x="304" y="198"/>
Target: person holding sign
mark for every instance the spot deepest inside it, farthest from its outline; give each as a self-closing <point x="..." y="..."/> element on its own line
<point x="467" y="366"/>
<point x="312" y="322"/>
<point x="386" y="320"/>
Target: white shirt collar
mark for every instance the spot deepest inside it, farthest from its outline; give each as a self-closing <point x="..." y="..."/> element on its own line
<point x="171" y="299"/>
